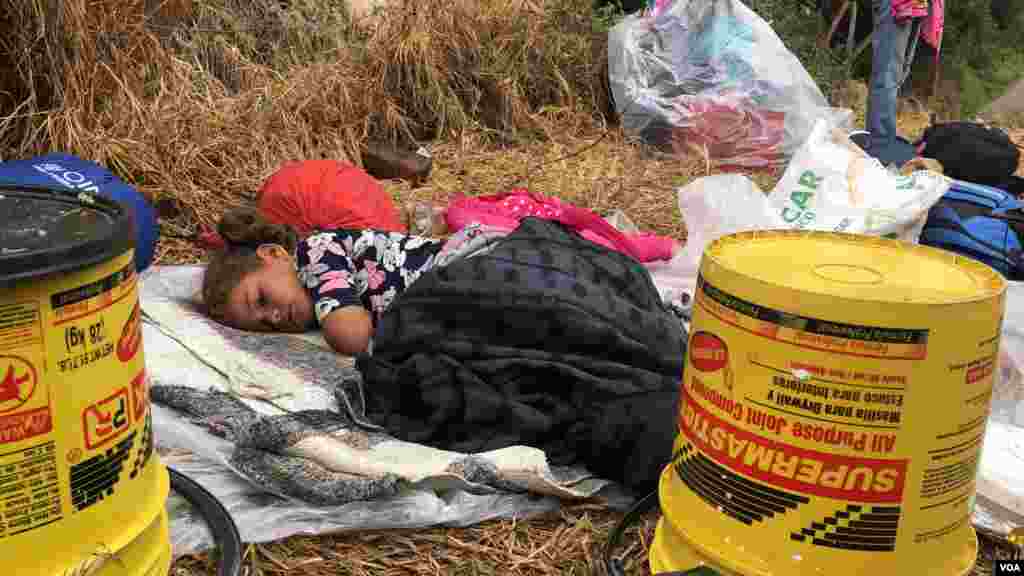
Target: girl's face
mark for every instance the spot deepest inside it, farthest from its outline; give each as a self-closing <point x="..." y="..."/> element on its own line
<point x="271" y="298"/>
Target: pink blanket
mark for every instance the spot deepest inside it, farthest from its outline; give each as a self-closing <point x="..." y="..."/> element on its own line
<point x="504" y="211"/>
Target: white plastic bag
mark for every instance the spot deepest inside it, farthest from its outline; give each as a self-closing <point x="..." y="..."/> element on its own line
<point x="712" y="207"/>
<point x="711" y="76"/>
<point x="831" y="184"/>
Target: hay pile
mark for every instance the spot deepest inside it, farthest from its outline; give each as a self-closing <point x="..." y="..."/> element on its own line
<point x="199" y="100"/>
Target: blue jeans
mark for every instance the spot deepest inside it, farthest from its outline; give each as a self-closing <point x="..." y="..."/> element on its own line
<point x="890" y="62"/>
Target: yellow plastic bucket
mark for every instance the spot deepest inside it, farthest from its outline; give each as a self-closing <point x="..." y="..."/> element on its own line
<point x="835" y="397"/>
<point x="81" y="490"/>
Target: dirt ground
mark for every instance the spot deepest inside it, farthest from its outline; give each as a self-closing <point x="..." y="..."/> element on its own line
<point x="1011" y="103"/>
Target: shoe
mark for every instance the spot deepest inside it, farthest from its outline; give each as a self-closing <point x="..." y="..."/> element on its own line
<point x="898" y="152"/>
<point x="861" y="138"/>
<point x="387" y="162"/>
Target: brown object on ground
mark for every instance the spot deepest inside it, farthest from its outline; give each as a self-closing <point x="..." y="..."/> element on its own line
<point x="911" y="105"/>
<point x="1011" y="103"/>
<point x="945" y="103"/>
<point x="921" y="164"/>
<point x="1017" y="135"/>
<point x="389" y="162"/>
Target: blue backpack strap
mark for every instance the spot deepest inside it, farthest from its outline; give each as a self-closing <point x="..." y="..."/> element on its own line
<point x="946" y="230"/>
<point x="979" y="194"/>
<point x="966" y="220"/>
<point x="1006" y="212"/>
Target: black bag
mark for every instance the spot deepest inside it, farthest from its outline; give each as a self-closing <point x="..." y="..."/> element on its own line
<point x="1015" y="186"/>
<point x="971" y="152"/>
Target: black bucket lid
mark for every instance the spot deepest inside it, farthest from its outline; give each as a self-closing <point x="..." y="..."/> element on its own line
<point x="45" y="231"/>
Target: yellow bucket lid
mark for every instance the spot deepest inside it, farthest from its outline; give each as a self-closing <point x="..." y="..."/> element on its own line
<point x="856" y="267"/>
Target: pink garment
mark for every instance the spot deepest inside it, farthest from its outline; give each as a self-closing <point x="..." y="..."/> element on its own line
<point x="903" y="9"/>
<point x="730" y="128"/>
<point x="931" y="28"/>
<point x="504" y="211"/>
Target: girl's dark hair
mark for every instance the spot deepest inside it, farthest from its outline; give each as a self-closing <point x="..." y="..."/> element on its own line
<point x="243" y="230"/>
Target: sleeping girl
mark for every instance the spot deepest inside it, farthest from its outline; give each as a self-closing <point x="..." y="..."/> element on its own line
<point x="354" y="260"/>
<point x="341" y="281"/>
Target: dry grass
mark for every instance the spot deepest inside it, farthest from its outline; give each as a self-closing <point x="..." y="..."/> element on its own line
<point x="570" y="543"/>
<point x="595" y="169"/>
<point x="199" y="100"/>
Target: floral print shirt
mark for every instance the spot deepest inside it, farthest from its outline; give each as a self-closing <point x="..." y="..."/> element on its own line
<point x="367" y="268"/>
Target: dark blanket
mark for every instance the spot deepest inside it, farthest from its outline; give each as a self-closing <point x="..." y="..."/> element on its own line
<point x="548" y="340"/>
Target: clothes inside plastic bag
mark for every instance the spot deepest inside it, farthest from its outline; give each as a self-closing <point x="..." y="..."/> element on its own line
<point x="711" y="76"/>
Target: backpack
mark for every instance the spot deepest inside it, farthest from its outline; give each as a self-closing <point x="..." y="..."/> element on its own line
<point x="979" y="222"/>
<point x="971" y="152"/>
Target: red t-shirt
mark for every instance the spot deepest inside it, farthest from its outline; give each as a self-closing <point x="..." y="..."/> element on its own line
<point x="327" y="195"/>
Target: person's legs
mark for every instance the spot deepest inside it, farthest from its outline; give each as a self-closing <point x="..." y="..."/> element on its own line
<point x="888" y="69"/>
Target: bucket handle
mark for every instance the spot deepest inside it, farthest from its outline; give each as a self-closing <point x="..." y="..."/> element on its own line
<point x="613" y="566"/>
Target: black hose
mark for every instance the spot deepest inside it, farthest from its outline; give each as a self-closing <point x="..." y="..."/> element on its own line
<point x="613" y="566"/>
<point x="225" y="533"/>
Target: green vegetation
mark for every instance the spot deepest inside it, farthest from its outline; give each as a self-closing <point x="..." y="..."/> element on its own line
<point x="983" y="52"/>
<point x="797" y="23"/>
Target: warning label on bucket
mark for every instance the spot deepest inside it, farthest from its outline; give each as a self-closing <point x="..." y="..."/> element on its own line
<point x="24" y="401"/>
<point x="29" y="490"/>
<point x="90" y="298"/>
<point x="106" y="420"/>
<point x="812" y="333"/>
<point x="19" y="325"/>
<point x="97" y="478"/>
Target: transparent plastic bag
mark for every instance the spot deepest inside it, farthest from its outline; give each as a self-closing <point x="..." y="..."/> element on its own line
<point x="999" y="504"/>
<point x="711" y="76"/>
